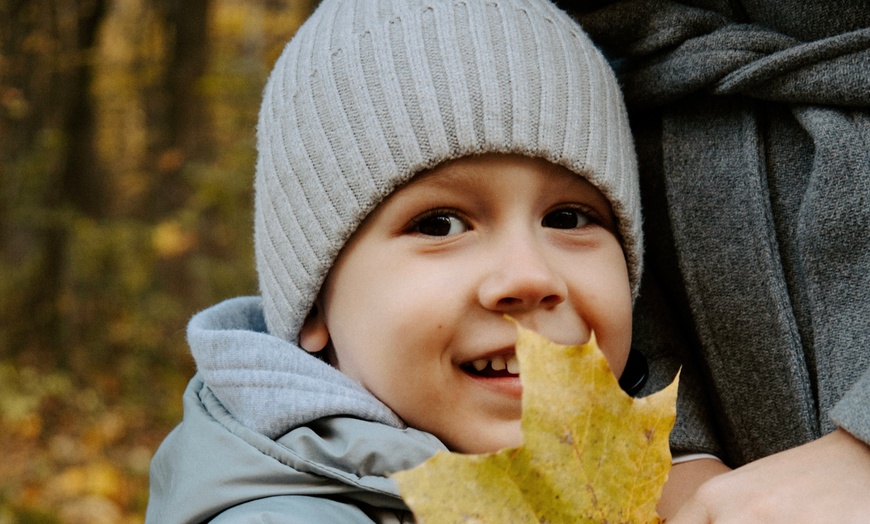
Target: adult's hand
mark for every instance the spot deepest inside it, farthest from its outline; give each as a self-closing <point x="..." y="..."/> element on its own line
<point x="684" y="480"/>
<point x="827" y="480"/>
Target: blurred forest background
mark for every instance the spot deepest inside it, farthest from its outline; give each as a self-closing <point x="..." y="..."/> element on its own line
<point x="126" y="164"/>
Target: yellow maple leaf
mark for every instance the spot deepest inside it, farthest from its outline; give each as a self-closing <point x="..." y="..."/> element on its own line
<point x="590" y="452"/>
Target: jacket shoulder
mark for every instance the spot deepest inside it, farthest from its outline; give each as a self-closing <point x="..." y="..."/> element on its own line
<point x="300" y="509"/>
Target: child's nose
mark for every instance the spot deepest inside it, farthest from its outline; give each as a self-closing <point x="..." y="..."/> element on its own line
<point x="520" y="279"/>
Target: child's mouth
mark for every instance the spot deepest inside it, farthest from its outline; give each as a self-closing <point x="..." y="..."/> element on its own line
<point x="501" y="366"/>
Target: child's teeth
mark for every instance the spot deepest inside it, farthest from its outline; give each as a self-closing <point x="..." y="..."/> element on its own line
<point x="513" y="365"/>
<point x="500" y="363"/>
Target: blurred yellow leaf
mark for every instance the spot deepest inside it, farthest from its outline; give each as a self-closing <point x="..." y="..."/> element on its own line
<point x="99" y="478"/>
<point x="591" y="453"/>
<point x="90" y="510"/>
<point x="169" y="239"/>
<point x="108" y="429"/>
<point x="30" y="426"/>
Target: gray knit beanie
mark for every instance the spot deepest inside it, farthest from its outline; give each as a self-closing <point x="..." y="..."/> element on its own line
<point x="370" y="92"/>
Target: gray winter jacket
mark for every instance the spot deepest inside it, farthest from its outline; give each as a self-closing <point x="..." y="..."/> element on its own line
<point x="314" y="446"/>
<point x="752" y="122"/>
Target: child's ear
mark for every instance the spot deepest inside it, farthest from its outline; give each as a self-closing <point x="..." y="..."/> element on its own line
<point x="314" y="336"/>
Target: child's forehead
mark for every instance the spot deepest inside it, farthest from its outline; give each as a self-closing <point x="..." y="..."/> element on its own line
<point x="478" y="170"/>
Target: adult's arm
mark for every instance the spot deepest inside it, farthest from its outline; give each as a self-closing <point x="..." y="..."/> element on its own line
<point x="755" y="130"/>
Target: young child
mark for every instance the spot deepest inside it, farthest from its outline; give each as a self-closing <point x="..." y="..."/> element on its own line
<point x="424" y="169"/>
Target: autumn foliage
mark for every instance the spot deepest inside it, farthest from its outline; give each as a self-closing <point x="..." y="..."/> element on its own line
<point x="126" y="166"/>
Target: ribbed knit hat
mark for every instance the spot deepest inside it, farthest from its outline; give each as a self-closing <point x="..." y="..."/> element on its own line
<point x="370" y="92"/>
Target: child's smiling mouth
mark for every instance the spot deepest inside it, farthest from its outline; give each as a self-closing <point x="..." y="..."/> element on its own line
<point x="499" y="372"/>
<point x="499" y="366"/>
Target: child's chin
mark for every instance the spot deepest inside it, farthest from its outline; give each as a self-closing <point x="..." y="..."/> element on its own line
<point x="507" y="385"/>
<point x="505" y="439"/>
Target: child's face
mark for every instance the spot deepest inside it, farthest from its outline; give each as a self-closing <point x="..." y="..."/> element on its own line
<point x="415" y="302"/>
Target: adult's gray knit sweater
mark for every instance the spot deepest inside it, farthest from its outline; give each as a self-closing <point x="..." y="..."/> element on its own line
<point x="753" y="134"/>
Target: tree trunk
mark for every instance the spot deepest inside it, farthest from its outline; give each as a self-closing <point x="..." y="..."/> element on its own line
<point x="49" y="78"/>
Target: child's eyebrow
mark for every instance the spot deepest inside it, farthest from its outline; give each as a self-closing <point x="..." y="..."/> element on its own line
<point x="449" y="178"/>
<point x="448" y="174"/>
<point x="466" y="179"/>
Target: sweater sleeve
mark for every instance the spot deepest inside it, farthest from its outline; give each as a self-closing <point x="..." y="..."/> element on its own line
<point x="852" y="412"/>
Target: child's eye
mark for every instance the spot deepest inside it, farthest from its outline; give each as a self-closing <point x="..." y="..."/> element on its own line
<point x="566" y="218"/>
<point x="440" y="224"/>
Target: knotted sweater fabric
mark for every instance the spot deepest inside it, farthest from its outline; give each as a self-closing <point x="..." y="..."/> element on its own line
<point x="752" y="122"/>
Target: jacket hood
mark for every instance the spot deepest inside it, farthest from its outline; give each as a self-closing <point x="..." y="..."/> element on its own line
<point x="267" y="383"/>
<point x="214" y="460"/>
